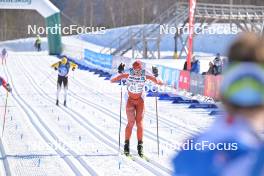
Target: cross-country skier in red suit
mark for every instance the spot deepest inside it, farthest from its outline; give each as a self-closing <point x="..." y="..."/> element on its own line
<point x="136" y="78"/>
<point x="5" y="84"/>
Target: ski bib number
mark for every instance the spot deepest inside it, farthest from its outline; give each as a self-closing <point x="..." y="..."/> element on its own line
<point x="136" y="83"/>
<point x="63" y="70"/>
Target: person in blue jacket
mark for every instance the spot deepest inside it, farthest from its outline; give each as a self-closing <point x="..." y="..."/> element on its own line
<point x="195" y="65"/>
<point x="233" y="145"/>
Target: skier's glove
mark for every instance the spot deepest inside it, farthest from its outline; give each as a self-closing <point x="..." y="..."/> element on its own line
<point x="155" y="71"/>
<point x="8" y="87"/>
<point x="121" y="68"/>
<point x="56" y="68"/>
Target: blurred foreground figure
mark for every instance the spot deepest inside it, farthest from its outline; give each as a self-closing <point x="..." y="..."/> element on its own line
<point x="233" y="145"/>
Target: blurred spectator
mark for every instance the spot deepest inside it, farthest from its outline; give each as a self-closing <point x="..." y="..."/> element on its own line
<point x="218" y="65"/>
<point x="195" y="65"/>
<point x="185" y="65"/>
<point x="4" y="55"/>
<point x="211" y="69"/>
<point x="233" y="145"/>
<point x="38" y="43"/>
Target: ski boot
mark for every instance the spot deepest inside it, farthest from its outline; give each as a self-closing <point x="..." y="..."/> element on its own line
<point x="65" y="104"/>
<point x="57" y="102"/>
<point x="126" y="148"/>
<point x="140" y="149"/>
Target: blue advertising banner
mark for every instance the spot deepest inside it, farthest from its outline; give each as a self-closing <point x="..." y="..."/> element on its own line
<point x="166" y="75"/>
<point x="160" y="68"/>
<point x="98" y="60"/>
<point x="197" y="84"/>
<point x="170" y="76"/>
<point x="175" y="77"/>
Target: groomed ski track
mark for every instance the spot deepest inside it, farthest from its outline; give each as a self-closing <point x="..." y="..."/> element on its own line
<point x="83" y="138"/>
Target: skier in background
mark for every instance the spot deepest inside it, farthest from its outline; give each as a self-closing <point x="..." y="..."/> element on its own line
<point x="63" y="68"/>
<point x="136" y="78"/>
<point x="9" y="90"/>
<point x="5" y="84"/>
<point x="38" y="43"/>
<point x="236" y="139"/>
<point x="4" y="55"/>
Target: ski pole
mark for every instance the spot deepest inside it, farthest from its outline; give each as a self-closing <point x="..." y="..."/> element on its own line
<point x="157" y="119"/>
<point x="5" y="114"/>
<point x="155" y="72"/>
<point x="120" y="115"/>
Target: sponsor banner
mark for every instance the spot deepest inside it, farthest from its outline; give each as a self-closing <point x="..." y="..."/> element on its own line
<point x="166" y="75"/>
<point x="175" y="76"/>
<point x="98" y="60"/>
<point x="90" y="56"/>
<point x="105" y="60"/>
<point x="212" y="86"/>
<point x="160" y="68"/>
<point x="209" y="86"/>
<point x="184" y="80"/>
<point x="169" y="76"/>
<point x="218" y="80"/>
<point x="197" y="84"/>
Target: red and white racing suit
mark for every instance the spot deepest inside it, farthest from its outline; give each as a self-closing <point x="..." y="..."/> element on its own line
<point x="135" y="99"/>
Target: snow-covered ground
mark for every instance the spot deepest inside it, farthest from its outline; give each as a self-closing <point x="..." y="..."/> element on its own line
<point x="82" y="139"/>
